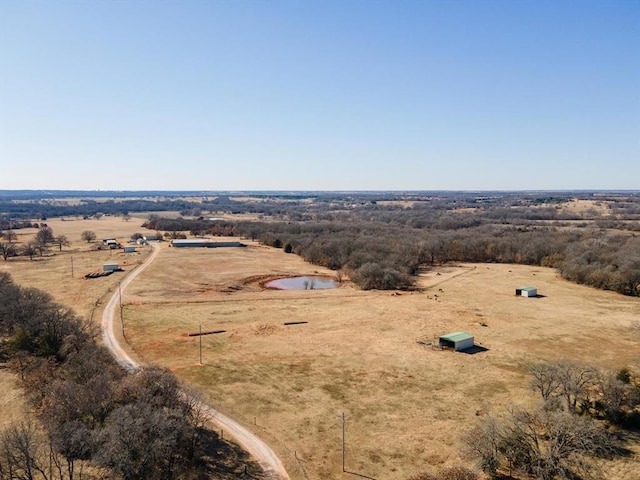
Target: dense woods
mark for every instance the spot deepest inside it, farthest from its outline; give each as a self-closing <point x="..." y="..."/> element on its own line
<point x="384" y="246"/>
<point x="381" y="240"/>
<point x="89" y="415"/>
<point x="366" y="250"/>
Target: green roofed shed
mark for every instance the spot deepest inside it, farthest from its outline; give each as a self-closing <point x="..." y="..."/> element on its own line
<point x="527" y="291"/>
<point x="457" y="340"/>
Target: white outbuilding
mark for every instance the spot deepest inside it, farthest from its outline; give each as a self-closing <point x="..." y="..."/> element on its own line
<point x="456" y="340"/>
<point x="527" y="291"/>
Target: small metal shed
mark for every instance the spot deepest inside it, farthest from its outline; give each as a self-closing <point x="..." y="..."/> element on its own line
<point x="527" y="291"/>
<point x="110" y="267"/>
<point x="129" y="249"/>
<point x="456" y="340"/>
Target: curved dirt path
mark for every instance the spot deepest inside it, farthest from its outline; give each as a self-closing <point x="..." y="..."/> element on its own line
<point x="260" y="451"/>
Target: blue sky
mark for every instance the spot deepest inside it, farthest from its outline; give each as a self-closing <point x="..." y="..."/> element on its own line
<point x="320" y="95"/>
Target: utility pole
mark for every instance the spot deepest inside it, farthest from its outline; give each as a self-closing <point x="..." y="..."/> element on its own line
<point x="71" y="266"/>
<point x="120" y="298"/>
<point x="344" y="423"/>
<point x="200" y="344"/>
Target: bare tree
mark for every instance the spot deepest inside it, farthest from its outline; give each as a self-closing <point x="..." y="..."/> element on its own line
<point x="7" y="249"/>
<point x="545" y="379"/>
<point x="577" y="383"/>
<point x="141" y="442"/>
<point x="567" y="380"/>
<point x="88" y="236"/>
<point x="618" y="399"/>
<point x="557" y="444"/>
<point x="9" y="236"/>
<point x="483" y="442"/>
<point x="198" y="231"/>
<point x="74" y="441"/>
<point x="61" y="241"/>
<point x="543" y="444"/>
<point x="23" y="453"/>
<point x="43" y="238"/>
<point x="29" y="249"/>
<point x="155" y="386"/>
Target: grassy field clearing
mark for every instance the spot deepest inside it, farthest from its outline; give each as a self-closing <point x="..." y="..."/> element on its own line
<point x="405" y="404"/>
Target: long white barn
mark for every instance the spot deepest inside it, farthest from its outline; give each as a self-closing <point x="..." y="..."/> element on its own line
<point x="204" y="242"/>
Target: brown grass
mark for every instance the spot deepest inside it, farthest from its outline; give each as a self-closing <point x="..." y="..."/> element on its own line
<point x="12" y="402"/>
<point x="405" y="404"/>
<point x="52" y="273"/>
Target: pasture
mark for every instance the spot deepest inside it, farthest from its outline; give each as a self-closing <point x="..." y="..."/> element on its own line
<point x="406" y="405"/>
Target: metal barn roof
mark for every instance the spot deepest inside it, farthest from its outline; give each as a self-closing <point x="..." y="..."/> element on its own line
<point x="456" y="336"/>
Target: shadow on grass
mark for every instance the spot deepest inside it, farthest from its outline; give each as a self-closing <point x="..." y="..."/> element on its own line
<point x="225" y="460"/>
<point x="473" y="350"/>
<point x="626" y="437"/>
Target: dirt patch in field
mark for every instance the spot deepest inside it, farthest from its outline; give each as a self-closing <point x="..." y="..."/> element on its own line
<point x="265" y="329"/>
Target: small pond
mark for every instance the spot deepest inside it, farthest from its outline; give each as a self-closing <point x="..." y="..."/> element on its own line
<point x="302" y="283"/>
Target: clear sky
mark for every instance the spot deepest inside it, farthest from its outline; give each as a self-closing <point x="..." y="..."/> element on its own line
<point x="320" y="95"/>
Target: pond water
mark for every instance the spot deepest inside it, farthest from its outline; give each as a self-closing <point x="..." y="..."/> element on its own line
<point x="302" y="283"/>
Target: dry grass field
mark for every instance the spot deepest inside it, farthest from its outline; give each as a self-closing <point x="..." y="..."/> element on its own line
<point x="12" y="405"/>
<point x="405" y="404"/>
<point x="52" y="273"/>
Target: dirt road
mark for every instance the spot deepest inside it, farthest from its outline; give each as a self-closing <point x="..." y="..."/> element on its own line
<point x="260" y="451"/>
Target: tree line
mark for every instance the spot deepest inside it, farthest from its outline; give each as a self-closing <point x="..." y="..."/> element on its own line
<point x="38" y="245"/>
<point x="90" y="418"/>
<point x="387" y="255"/>
<point x="408" y="208"/>
<point x="382" y="240"/>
